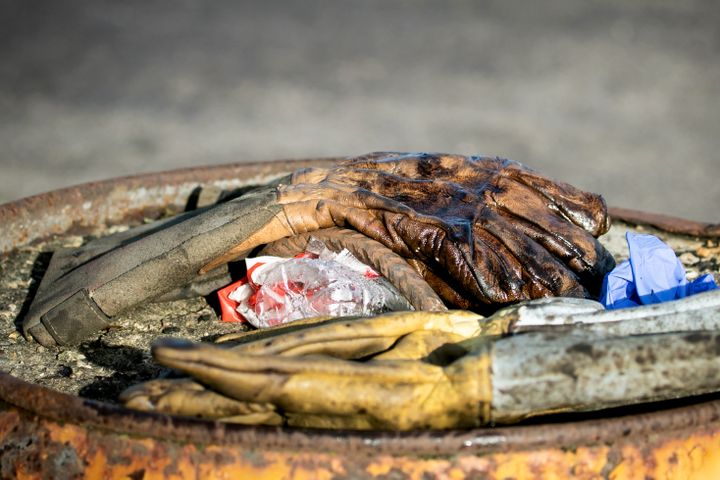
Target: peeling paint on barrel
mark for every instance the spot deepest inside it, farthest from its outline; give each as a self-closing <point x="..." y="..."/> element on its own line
<point x="41" y="448"/>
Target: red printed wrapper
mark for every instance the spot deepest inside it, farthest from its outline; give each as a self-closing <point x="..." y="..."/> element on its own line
<point x="228" y="306"/>
<point x="279" y="290"/>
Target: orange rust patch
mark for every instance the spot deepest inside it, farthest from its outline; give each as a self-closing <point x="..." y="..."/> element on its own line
<point x="105" y="454"/>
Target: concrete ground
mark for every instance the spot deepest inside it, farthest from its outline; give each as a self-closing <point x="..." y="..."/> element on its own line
<point x="618" y="97"/>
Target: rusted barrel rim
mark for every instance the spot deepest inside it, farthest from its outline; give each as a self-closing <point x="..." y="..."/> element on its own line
<point x="109" y="201"/>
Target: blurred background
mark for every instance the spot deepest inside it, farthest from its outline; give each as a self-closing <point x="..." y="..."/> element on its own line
<point x="618" y="97"/>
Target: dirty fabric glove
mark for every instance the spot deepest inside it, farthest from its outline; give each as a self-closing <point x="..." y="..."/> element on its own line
<point x="473" y="379"/>
<point x="653" y="274"/>
<point x="491" y="230"/>
<point x="526" y="375"/>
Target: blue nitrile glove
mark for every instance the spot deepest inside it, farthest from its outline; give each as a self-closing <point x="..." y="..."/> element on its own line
<point x="653" y="274"/>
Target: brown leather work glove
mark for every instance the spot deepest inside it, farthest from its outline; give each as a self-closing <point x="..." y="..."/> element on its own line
<point x="488" y="228"/>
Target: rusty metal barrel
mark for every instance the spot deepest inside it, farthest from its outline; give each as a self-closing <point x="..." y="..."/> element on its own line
<point x="48" y="434"/>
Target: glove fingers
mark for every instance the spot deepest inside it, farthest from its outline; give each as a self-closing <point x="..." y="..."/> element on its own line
<point x="522" y="206"/>
<point x="406" y="179"/>
<point x="311" y="207"/>
<point x="542" y="274"/>
<point x="388" y="394"/>
<point x="261" y="378"/>
<point x="451" y="187"/>
<point x="443" y="289"/>
<point x="590" y="274"/>
<point x="584" y="209"/>
<point x="358" y="338"/>
<point x="188" y="398"/>
<point x="485" y="274"/>
<point x="423" y="237"/>
<point x="346" y="339"/>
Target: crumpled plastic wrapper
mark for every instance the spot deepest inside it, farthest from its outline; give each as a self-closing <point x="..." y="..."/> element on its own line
<point x="316" y="283"/>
